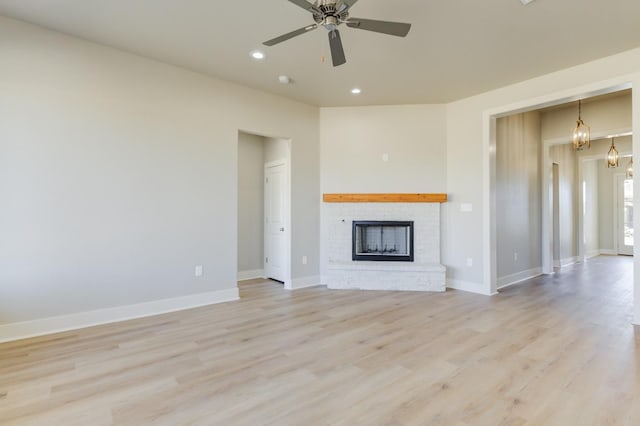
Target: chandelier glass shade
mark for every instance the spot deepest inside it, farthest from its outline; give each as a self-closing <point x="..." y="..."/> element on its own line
<point x="629" y="171"/>
<point x="582" y="133"/>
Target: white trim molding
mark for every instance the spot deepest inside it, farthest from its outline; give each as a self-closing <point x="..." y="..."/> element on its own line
<point x="251" y="275"/>
<point x="518" y="277"/>
<point x="40" y="327"/>
<point x="591" y="254"/>
<point x="608" y="252"/>
<point x="304" y="282"/>
<point x="567" y="261"/>
<point x="468" y="286"/>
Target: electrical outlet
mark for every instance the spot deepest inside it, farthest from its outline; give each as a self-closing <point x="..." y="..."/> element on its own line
<point x="469" y="262"/>
<point x="304" y="260"/>
<point x="385" y="157"/>
<point x="515" y="257"/>
<point x="199" y="271"/>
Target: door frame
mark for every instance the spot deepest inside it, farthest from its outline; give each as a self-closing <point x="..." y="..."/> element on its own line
<point x="617" y="213"/>
<point x="556" y="261"/>
<point x="287" y="217"/>
<point x="288" y="283"/>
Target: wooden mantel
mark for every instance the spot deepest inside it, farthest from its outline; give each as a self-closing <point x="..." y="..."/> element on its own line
<point x="384" y="198"/>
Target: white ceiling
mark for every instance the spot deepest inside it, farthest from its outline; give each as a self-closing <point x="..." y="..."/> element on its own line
<point x="456" y="48"/>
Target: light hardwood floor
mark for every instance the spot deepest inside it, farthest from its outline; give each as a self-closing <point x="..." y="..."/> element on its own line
<point x="558" y="349"/>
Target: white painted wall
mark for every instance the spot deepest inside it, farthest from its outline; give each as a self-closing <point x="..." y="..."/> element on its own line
<point x="518" y="203"/>
<point x="565" y="156"/>
<point x="117" y="176"/>
<point x="353" y="142"/>
<point x="606" y="208"/>
<point x="600" y="148"/>
<point x="609" y="114"/>
<point x="251" y="154"/>
<point x="591" y="208"/>
<point x="275" y="149"/>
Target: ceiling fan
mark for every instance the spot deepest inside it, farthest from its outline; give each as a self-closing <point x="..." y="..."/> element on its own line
<point x="332" y="13"/>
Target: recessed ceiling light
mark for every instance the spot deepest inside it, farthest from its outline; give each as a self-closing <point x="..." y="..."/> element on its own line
<point x="356" y="91"/>
<point x="256" y="54"/>
<point x="284" y="79"/>
<point x="526" y="2"/>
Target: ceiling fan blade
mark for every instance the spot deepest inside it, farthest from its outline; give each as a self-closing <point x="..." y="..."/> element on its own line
<point x="337" y="51"/>
<point x="292" y="34"/>
<point x="385" y="27"/>
<point x="307" y="6"/>
<point x="346" y="5"/>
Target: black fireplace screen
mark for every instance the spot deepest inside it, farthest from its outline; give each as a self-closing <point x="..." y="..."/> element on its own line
<point x="382" y="241"/>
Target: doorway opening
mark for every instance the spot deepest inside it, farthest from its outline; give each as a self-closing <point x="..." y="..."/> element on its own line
<point x="602" y="202"/>
<point x="264" y="212"/>
<point x="623" y="193"/>
<point x="550" y="217"/>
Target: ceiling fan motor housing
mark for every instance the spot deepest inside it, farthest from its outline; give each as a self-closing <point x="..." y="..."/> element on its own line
<point x="331" y="17"/>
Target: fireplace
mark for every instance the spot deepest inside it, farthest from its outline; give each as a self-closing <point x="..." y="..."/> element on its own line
<point x="382" y="241"/>
<point x="346" y="272"/>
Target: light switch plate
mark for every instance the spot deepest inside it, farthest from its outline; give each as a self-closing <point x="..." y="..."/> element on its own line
<point x="199" y="271"/>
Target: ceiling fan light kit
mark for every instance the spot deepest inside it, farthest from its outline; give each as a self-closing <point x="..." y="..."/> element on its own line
<point x="330" y="14"/>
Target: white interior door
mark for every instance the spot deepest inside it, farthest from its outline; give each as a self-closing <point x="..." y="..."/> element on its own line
<point x="275" y="208"/>
<point x="624" y="214"/>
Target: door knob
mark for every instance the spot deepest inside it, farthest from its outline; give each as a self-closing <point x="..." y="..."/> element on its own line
<point x="281" y="229"/>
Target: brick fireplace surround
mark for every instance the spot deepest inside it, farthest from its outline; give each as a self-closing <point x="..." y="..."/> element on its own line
<point x="425" y="273"/>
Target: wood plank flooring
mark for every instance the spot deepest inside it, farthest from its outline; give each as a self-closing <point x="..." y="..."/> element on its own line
<point x="555" y="350"/>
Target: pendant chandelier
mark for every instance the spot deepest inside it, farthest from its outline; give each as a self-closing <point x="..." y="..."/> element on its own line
<point x="629" y="173"/>
<point x="613" y="158"/>
<point x="582" y="133"/>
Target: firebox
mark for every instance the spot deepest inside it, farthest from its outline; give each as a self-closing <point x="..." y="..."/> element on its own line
<point x="382" y="241"/>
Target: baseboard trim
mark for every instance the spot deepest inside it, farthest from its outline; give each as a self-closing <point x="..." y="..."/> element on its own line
<point x="323" y="279"/>
<point x="568" y="261"/>
<point x="250" y="275"/>
<point x="40" y="327"/>
<point x="518" y="277"/>
<point x="591" y="254"/>
<point x="305" y="282"/>
<point x="468" y="286"/>
<point x="608" y="252"/>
